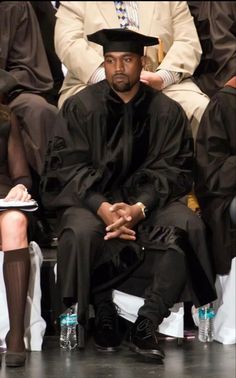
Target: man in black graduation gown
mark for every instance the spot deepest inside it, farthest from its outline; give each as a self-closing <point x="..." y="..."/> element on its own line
<point x="116" y="171"/>
<point x="216" y="174"/>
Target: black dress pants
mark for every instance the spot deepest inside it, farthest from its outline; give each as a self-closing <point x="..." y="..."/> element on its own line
<point x="165" y="270"/>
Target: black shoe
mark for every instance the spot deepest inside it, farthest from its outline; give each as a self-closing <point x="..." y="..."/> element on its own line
<point x="106" y="333"/>
<point x="143" y="339"/>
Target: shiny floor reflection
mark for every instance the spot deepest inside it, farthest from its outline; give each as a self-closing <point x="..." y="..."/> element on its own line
<point x="191" y="359"/>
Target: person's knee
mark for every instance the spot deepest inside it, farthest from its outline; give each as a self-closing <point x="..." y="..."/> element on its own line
<point x="197" y="114"/>
<point x="200" y="106"/>
<point x="192" y="224"/>
<point x="34" y="103"/>
<point x="14" y="223"/>
<point x="186" y="219"/>
<point x="79" y="234"/>
<point x="194" y="227"/>
<point x="41" y="106"/>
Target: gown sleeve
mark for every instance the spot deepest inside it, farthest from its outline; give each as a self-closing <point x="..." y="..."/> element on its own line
<point x="70" y="178"/>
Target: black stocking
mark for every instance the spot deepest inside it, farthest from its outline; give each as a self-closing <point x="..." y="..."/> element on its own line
<point x="16" y="269"/>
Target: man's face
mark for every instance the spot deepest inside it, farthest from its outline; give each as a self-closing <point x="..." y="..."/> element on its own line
<point x="122" y="70"/>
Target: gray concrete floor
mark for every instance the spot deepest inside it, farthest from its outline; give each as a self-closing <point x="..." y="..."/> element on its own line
<point x="191" y="359"/>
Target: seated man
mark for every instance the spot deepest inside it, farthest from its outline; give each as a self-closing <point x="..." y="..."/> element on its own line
<point x="169" y="66"/>
<point x="116" y="171"/>
<point x="216" y="174"/>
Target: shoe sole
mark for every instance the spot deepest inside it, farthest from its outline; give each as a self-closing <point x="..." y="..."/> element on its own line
<point x="15" y="365"/>
<point x="148" y="353"/>
<point x="15" y="359"/>
<point x="106" y="349"/>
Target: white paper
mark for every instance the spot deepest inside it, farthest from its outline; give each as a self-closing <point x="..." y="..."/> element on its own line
<point x="30" y="205"/>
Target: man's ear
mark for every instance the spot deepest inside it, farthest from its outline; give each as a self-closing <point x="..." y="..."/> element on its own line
<point x="143" y="61"/>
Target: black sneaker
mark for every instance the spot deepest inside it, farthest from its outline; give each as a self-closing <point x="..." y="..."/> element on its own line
<point x="143" y="339"/>
<point x="106" y="333"/>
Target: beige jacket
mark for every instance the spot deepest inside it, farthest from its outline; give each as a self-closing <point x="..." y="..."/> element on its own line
<point x="171" y="21"/>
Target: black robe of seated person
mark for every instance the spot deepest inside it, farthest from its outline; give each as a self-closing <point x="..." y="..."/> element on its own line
<point x="106" y="150"/>
<point x="216" y="174"/>
<point x="13" y="165"/>
<point x="215" y="22"/>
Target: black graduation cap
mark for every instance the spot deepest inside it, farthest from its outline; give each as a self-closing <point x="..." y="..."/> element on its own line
<point x="122" y="40"/>
<point x="7" y="81"/>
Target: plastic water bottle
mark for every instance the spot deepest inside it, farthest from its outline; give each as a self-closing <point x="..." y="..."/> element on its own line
<point x="206" y="316"/>
<point x="68" y="335"/>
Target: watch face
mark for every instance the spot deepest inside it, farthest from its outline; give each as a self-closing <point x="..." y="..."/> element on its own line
<point x="146" y="211"/>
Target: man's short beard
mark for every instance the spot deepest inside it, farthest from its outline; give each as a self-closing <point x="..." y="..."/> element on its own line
<point x="124" y="87"/>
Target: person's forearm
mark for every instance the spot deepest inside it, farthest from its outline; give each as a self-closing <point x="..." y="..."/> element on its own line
<point x="168" y="77"/>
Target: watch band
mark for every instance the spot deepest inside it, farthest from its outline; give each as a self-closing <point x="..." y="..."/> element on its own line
<point x="143" y="208"/>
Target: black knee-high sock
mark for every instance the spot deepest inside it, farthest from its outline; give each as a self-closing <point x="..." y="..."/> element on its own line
<point x="16" y="269"/>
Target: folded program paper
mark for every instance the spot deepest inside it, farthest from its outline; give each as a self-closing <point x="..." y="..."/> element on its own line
<point x="30" y="205"/>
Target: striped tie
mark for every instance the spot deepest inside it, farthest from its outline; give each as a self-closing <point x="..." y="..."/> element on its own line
<point x="121" y="13"/>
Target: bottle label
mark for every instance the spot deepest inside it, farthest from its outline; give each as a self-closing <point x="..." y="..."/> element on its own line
<point x="68" y="319"/>
<point x="208" y="313"/>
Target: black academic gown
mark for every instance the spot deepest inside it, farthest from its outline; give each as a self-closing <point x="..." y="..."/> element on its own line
<point x="13" y="166"/>
<point x="22" y="54"/>
<point x="106" y="150"/>
<point x="216" y="174"/>
<point x="216" y="24"/>
<point x="46" y="15"/>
